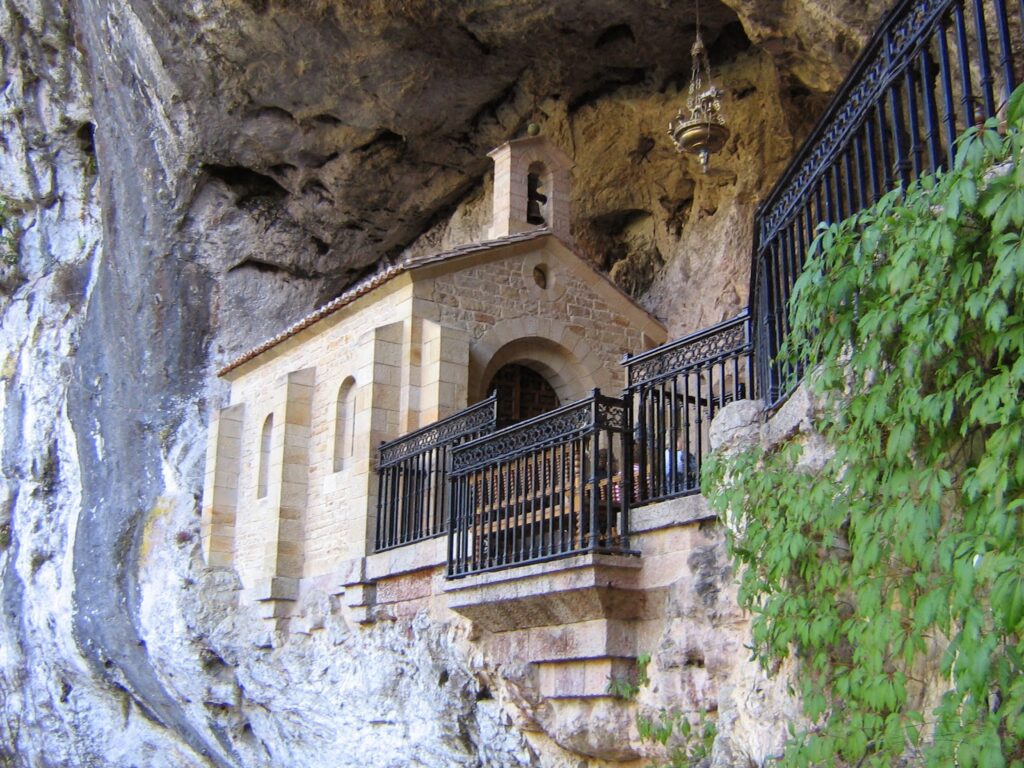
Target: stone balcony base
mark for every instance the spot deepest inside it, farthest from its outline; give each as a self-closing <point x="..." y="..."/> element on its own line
<point x="599" y="638"/>
<point x="570" y="590"/>
<point x="572" y="618"/>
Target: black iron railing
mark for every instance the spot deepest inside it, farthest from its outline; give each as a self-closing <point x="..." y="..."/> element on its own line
<point x="544" y="488"/>
<point x="412" y="498"/>
<point x="675" y="391"/>
<point x="932" y="69"/>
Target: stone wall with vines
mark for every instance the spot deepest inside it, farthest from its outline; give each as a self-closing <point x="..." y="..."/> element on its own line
<point x="893" y="571"/>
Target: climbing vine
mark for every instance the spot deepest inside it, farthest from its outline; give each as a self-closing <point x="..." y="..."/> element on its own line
<point x="893" y="571"/>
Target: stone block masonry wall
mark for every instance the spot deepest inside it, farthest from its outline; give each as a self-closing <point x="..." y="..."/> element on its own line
<point x="362" y="349"/>
<point x="567" y="312"/>
<point x="379" y="419"/>
<point x="220" y="491"/>
<point x="295" y="438"/>
<point x="445" y="366"/>
<point x="275" y="535"/>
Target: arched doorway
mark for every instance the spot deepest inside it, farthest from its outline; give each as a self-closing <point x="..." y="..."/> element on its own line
<point x="522" y="394"/>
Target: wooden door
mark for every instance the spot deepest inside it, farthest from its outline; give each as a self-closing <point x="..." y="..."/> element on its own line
<point x="522" y="394"/>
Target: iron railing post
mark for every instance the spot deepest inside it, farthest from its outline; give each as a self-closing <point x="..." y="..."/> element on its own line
<point x="595" y="447"/>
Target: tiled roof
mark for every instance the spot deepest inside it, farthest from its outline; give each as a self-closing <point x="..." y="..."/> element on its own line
<point x="377" y="279"/>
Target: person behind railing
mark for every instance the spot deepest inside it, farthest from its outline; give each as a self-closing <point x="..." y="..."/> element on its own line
<point x="680" y="467"/>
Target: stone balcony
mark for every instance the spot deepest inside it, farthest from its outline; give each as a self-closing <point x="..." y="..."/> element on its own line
<point x="576" y="621"/>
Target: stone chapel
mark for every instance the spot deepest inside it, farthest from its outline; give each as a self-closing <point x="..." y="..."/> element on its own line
<point x="290" y="494"/>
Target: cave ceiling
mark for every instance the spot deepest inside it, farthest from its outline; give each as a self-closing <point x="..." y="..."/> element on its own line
<point x="355" y="126"/>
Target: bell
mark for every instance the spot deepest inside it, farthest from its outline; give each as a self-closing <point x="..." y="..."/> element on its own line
<point x="534" y="200"/>
<point x="533" y="214"/>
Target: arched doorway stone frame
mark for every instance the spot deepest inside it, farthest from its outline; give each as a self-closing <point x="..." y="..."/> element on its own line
<point x="548" y="346"/>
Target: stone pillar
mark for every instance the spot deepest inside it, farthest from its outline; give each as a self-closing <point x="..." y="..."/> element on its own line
<point x="444" y="372"/>
<point x="411" y="374"/>
<point x="378" y="418"/>
<point x="220" y="489"/>
<point x="288" y="491"/>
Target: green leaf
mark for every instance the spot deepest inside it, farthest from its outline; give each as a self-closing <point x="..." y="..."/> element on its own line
<point x="1008" y="600"/>
<point x="990" y="754"/>
<point x="1015" y="108"/>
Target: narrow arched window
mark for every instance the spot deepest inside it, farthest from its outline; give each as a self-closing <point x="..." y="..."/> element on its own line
<point x="344" y="422"/>
<point x="264" y="468"/>
<point x="537" y="189"/>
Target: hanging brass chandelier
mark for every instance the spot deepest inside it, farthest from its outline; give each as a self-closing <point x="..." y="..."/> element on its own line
<point x="704" y="132"/>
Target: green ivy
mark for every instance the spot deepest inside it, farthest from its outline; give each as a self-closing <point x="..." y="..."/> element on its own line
<point x="626" y="688"/>
<point x="898" y="566"/>
<point x="688" y="745"/>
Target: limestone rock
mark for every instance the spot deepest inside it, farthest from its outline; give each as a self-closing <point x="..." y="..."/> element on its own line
<point x="736" y="424"/>
<point x="818" y="43"/>
<point x="593" y="728"/>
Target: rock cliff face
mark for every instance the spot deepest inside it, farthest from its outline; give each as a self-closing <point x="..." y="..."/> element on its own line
<point x="186" y="176"/>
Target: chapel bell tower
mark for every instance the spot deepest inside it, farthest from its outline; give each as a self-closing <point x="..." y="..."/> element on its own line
<point x="532" y="183"/>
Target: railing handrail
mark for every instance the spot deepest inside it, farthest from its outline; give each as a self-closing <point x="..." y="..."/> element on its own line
<point x="636" y="363"/>
<point x="576" y="418"/>
<point x="856" y="95"/>
<point x="444" y="430"/>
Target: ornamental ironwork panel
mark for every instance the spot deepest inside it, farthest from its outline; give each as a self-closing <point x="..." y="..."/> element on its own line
<point x="674" y="393"/>
<point x="612" y="416"/>
<point x="412" y="472"/>
<point x="474" y="420"/>
<point x="722" y="340"/>
<point x="551" y="487"/>
<point x="881" y="62"/>
<point x="932" y="69"/>
<point x="596" y="411"/>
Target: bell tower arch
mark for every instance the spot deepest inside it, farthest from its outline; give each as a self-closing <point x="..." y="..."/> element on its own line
<point x="532" y="186"/>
